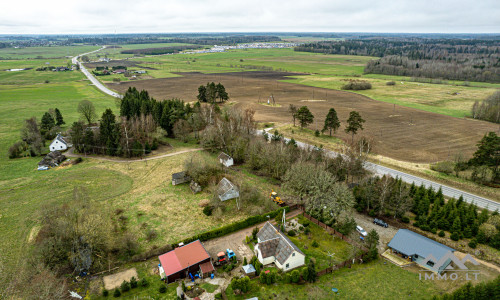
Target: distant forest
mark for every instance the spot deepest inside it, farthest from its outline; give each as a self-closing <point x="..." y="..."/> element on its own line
<point x="452" y="59"/>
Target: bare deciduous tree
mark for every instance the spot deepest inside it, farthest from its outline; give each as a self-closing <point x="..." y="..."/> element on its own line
<point x="87" y="111"/>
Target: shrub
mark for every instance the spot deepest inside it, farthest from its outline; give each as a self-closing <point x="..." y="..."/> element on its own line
<point x="295" y="276"/>
<point x="291" y="233"/>
<point x="144" y="282"/>
<point x="218" y="296"/>
<point x="371" y="213"/>
<point x="441" y="233"/>
<point x="245" y="261"/>
<point x="16" y="150"/>
<point x="390" y="83"/>
<point x="433" y="230"/>
<point x="133" y="283"/>
<point x="455" y="236"/>
<point x="446" y="167"/>
<point x="405" y="219"/>
<point x="117" y="293"/>
<point x="315" y="244"/>
<point x="207" y="210"/>
<point x="105" y="293"/>
<point x="125" y="287"/>
<point x="357" y="85"/>
<point x="317" y="133"/>
<point x="116" y="80"/>
<point x="163" y="289"/>
<point x="473" y="243"/>
<point x="183" y="286"/>
<point x="307" y="230"/>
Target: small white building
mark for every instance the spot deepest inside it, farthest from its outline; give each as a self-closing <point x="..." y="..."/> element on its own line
<point x="274" y="247"/>
<point x="227" y="190"/>
<point x="225" y="159"/>
<point x="58" y="144"/>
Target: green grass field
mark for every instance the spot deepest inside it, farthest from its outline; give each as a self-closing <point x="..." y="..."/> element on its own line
<point x="43" y="52"/>
<point x="114" y="53"/>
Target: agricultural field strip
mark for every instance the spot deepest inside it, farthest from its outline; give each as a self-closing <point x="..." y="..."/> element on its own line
<point x="381" y="170"/>
<point x="447" y="191"/>
<point x="96" y="82"/>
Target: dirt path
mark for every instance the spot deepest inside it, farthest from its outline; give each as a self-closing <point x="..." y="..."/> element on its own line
<point x="70" y="153"/>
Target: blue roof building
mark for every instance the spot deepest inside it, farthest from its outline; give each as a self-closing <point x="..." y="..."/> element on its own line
<point x="426" y="252"/>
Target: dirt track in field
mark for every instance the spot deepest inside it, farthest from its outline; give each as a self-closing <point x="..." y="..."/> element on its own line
<point x="399" y="132"/>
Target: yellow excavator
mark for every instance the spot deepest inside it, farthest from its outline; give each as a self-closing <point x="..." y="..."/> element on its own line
<point x="274" y="196"/>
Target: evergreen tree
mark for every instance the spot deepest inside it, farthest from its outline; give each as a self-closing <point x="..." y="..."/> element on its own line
<point x="221" y="93"/>
<point x="108" y="131"/>
<point x="59" y="118"/>
<point x="304" y="116"/>
<point x="202" y="93"/>
<point x="47" y="124"/>
<point x="331" y="121"/>
<point x="354" y="123"/>
<point x="488" y="154"/>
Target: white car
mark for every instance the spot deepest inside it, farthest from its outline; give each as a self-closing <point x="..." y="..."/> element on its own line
<point x="361" y="231"/>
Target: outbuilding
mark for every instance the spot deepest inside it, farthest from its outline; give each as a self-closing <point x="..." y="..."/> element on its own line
<point x="227" y="190"/>
<point x="274" y="247"/>
<point x="180" y="177"/>
<point x="225" y="159"/>
<point x="58" y="144"/>
<point x="180" y="262"/>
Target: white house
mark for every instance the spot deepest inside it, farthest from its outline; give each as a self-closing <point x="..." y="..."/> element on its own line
<point x="274" y="247"/>
<point x="58" y="144"/>
<point x="225" y="159"/>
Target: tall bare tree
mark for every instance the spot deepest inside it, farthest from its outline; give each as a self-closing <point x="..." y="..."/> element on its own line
<point x="87" y="111"/>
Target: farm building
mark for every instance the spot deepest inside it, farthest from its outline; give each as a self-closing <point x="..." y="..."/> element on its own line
<point x="181" y="177"/>
<point x="53" y="159"/>
<point x="274" y="247"/>
<point x="227" y="190"/>
<point x="419" y="249"/>
<point x="58" y="144"/>
<point x="180" y="262"/>
<point x="119" y="71"/>
<point x="225" y="159"/>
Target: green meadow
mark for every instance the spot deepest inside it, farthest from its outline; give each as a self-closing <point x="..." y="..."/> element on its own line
<point x="44" y="52"/>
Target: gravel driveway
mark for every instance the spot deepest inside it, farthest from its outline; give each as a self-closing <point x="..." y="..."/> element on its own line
<point x="385" y="234"/>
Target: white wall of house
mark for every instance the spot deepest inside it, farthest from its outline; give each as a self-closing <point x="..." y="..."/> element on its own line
<point x="227" y="163"/>
<point x="295" y="260"/>
<point x="58" y="145"/>
<point x="264" y="261"/>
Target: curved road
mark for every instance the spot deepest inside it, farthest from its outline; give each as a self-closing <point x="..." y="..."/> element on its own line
<point x="377" y="169"/>
<point x="91" y="77"/>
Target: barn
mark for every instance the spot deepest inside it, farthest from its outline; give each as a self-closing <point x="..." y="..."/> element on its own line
<point x="227" y="190"/>
<point x="58" y="144"/>
<point x="274" y="247"/>
<point x="191" y="258"/>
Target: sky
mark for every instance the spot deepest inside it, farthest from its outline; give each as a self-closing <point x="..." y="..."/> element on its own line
<point x="174" y="16"/>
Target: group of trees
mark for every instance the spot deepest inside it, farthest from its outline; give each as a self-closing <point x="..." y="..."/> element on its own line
<point x="488" y="109"/>
<point x="481" y="291"/>
<point x="34" y="135"/>
<point x="454" y="59"/>
<point x="212" y="92"/>
<point x="305" y="117"/>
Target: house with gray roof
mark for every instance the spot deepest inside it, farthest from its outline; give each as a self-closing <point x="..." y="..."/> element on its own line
<point x="427" y="253"/>
<point x="275" y="247"/>
<point x="58" y="144"/>
<point x="227" y="190"/>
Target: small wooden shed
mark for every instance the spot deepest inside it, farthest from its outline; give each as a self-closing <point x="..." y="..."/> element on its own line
<point x="181" y="177"/>
<point x="227" y="190"/>
<point x="225" y="159"/>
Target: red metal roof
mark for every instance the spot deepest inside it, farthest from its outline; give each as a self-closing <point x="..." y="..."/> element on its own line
<point x="206" y="267"/>
<point x="182" y="257"/>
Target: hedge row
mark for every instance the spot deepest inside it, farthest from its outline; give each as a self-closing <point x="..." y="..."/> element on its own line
<point x="156" y="251"/>
<point x="235" y="226"/>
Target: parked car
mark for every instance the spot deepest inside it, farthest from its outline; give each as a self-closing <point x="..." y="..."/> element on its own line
<point x="361" y="231"/>
<point x="380" y="223"/>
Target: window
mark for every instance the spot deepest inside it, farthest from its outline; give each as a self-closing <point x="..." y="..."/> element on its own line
<point x="287" y="266"/>
<point x="430" y="263"/>
<point x="293" y="254"/>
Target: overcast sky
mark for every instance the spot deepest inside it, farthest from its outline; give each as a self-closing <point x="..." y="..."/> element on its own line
<point x="171" y="16"/>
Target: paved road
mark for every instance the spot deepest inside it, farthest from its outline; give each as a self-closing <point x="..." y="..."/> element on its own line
<point x="408" y="178"/>
<point x="91" y="77"/>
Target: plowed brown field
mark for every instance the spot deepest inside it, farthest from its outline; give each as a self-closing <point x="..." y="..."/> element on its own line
<point x="399" y="132"/>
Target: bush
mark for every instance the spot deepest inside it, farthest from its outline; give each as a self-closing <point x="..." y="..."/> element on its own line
<point x="307" y="230"/>
<point x="105" y="293"/>
<point x="207" y="210"/>
<point x="446" y="167"/>
<point x="433" y="230"/>
<point x="117" y="293"/>
<point x="455" y="236"/>
<point x="291" y="233"/>
<point x="371" y="213"/>
<point x="295" y="276"/>
<point x="133" y="283"/>
<point x="163" y="289"/>
<point x="357" y="85"/>
<point x="315" y="244"/>
<point x="125" y="287"/>
<point x="441" y="233"/>
<point x="390" y="83"/>
<point x="144" y="282"/>
<point x="16" y="150"/>
<point x="317" y="133"/>
<point x="405" y="219"/>
<point x="218" y="296"/>
<point x="473" y="243"/>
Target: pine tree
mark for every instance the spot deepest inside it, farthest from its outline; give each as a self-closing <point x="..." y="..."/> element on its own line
<point x="304" y="116"/>
<point x="59" y="118"/>
<point x="47" y="124"/>
<point x="331" y="121"/>
<point x="354" y="123"/>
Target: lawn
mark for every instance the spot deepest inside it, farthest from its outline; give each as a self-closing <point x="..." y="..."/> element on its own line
<point x="374" y="280"/>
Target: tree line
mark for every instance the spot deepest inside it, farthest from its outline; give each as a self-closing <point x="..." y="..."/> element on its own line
<point x="453" y="59"/>
<point x="488" y="109"/>
<point x="34" y="134"/>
